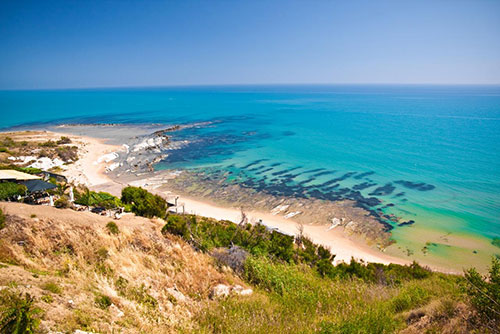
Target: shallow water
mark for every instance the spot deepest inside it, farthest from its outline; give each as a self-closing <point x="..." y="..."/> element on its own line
<point x="431" y="151"/>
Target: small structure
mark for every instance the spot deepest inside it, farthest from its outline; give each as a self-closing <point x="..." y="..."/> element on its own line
<point x="36" y="188"/>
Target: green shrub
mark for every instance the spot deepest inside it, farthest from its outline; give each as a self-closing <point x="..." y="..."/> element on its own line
<point x="10" y="190"/>
<point x="484" y="293"/>
<point x="102" y="301"/>
<point x="18" y="314"/>
<point x="112" y="228"/>
<point x="47" y="298"/>
<point x="48" y="143"/>
<point x="29" y="170"/>
<point x="144" y="203"/>
<point x="102" y="254"/>
<point x="64" y="140"/>
<point x="2" y="219"/>
<point x="101" y="199"/>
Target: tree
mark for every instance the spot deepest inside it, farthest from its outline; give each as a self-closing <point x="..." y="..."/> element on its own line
<point x="143" y="202"/>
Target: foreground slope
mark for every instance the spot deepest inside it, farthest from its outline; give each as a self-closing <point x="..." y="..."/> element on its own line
<point x="85" y="277"/>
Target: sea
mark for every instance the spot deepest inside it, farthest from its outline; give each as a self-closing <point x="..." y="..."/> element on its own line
<point x="429" y="153"/>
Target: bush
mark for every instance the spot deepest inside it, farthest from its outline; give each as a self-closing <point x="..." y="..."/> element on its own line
<point x="67" y="153"/>
<point x="103" y="301"/>
<point x="64" y="140"/>
<point x="62" y="202"/>
<point x="48" y="143"/>
<point x="484" y="293"/>
<point x="10" y="190"/>
<point x="8" y="142"/>
<point x="144" y="203"/>
<point x="18" y="314"/>
<point x="100" y="199"/>
<point x="112" y="228"/>
<point x="2" y="219"/>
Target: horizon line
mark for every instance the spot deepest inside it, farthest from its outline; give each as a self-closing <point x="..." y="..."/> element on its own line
<point x="246" y="85"/>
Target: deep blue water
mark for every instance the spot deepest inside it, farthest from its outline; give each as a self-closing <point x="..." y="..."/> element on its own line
<point x="438" y="145"/>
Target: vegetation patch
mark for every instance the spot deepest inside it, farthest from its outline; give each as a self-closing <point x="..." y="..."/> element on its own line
<point x="102" y="301"/>
<point x="10" y="190"/>
<point x="18" y="313"/>
<point x="143" y="203"/>
<point x="112" y="228"/>
<point x="207" y="234"/>
<point x="52" y="287"/>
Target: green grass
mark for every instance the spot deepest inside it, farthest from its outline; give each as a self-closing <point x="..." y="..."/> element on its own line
<point x="52" y="287"/>
<point x="296" y="299"/>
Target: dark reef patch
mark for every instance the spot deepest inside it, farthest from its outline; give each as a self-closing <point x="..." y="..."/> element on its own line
<point x="264" y="171"/>
<point x="285" y="171"/>
<point x="420" y="186"/>
<point x="313" y="170"/>
<point x="256" y="168"/>
<point x="327" y="172"/>
<point x="362" y="175"/>
<point x="253" y="163"/>
<point x="407" y="223"/>
<point x="363" y="185"/>
<point x="386" y="189"/>
<point x="345" y="176"/>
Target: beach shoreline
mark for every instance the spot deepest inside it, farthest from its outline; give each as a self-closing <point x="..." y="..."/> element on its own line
<point x="93" y="170"/>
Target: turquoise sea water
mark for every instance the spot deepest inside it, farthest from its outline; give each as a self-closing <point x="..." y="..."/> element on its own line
<point x="431" y="151"/>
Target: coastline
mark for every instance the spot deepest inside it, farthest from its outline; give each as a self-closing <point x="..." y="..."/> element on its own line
<point x="344" y="247"/>
<point x="90" y="170"/>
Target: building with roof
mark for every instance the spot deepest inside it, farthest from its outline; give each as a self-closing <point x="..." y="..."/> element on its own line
<point x="33" y="183"/>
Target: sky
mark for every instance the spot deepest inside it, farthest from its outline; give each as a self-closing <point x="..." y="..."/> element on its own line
<point x="78" y="44"/>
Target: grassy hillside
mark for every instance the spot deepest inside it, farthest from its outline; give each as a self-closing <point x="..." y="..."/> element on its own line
<point x="140" y="275"/>
<point x="87" y="274"/>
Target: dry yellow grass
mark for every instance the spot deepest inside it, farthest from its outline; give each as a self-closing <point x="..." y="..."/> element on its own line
<point x="67" y="259"/>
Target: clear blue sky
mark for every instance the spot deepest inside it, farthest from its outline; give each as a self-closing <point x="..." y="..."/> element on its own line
<point x="65" y="44"/>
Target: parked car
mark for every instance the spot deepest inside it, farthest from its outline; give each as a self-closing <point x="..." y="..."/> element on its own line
<point x="99" y="210"/>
